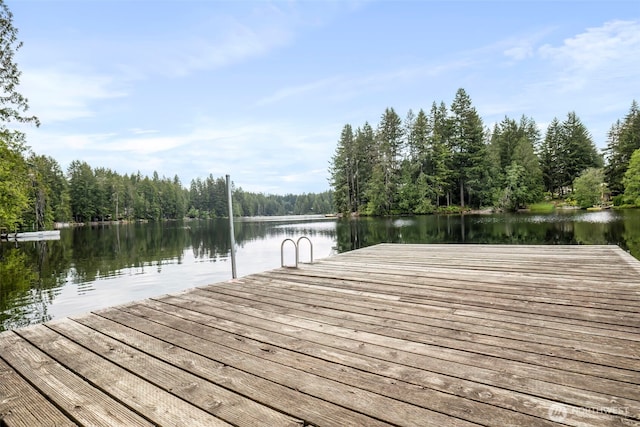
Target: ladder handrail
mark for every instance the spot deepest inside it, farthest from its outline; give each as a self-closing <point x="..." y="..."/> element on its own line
<point x="282" y="252"/>
<point x="298" y="248"/>
<point x="296" y="245"/>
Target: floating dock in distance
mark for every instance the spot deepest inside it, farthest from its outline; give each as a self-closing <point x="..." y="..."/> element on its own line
<point x="402" y="335"/>
<point x="31" y="236"/>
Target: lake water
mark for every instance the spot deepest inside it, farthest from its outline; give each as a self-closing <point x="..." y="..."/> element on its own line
<point x="101" y="266"/>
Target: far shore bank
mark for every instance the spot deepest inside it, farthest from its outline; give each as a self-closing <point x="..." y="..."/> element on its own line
<point x="314" y="217"/>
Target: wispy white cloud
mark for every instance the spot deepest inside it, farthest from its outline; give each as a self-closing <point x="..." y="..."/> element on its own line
<point x="260" y="156"/>
<point x="214" y="40"/>
<point x="59" y="95"/>
<point x="520" y="52"/>
<point x="137" y="131"/>
<point x="238" y="43"/>
<point x="614" y="44"/>
<point x="601" y="57"/>
<point x="340" y="88"/>
<point x="299" y="90"/>
<point x="520" y="47"/>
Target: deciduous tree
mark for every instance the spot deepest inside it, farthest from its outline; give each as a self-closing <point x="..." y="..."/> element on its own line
<point x="589" y="187"/>
<point x="14" y="181"/>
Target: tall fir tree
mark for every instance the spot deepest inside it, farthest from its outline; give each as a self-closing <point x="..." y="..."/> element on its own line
<point x="468" y="148"/>
<point x="578" y="150"/>
<point x="414" y="188"/>
<point x="366" y="158"/>
<point x="549" y="154"/>
<point x="82" y="191"/>
<point x="623" y="140"/>
<point x="342" y="172"/>
<point x="440" y="172"/>
<point x="386" y="173"/>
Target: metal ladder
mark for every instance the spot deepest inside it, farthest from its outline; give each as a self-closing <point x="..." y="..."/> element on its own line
<point x="296" y="245"/>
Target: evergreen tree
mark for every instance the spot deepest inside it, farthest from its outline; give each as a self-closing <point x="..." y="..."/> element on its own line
<point x="50" y="193"/>
<point x="549" y="155"/>
<point x="623" y="140"/>
<point x="365" y="157"/>
<point x="82" y="191"/>
<point x="513" y="152"/>
<point x="439" y="173"/>
<point x="415" y="192"/>
<point x="468" y="148"/>
<point x="343" y="177"/>
<point x="578" y="150"/>
<point x="386" y="173"/>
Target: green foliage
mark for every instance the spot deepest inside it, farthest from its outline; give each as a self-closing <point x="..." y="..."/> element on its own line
<point x="446" y="157"/>
<point x="209" y="200"/>
<point x="13" y="105"/>
<point x="542" y="207"/>
<point x="567" y="150"/>
<point x="415" y="166"/>
<point x="631" y="180"/>
<point x="14" y="177"/>
<point x="450" y="210"/>
<point x="389" y="144"/>
<point x="515" y="194"/>
<point x="589" y="187"/>
<point x="580" y="152"/>
<point x="344" y="172"/>
<point x="83" y="191"/>
<point x="623" y="140"/>
<point x="104" y="195"/>
<point x="14" y="183"/>
<point x="517" y="174"/>
<point x="618" y="200"/>
<point x="425" y="207"/>
<point x="469" y="154"/>
<point x="549" y="155"/>
<point x="49" y="195"/>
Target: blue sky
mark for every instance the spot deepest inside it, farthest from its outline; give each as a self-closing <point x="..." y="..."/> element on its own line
<point x="261" y="90"/>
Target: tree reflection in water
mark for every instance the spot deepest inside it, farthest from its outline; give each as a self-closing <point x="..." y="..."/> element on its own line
<point x="102" y="261"/>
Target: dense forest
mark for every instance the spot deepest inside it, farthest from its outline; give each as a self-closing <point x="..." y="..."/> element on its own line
<point x="84" y="194"/>
<point x="447" y="160"/>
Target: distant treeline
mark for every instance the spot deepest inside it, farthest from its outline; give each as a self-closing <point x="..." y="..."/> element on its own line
<point x="86" y="194"/>
<point x="446" y="157"/>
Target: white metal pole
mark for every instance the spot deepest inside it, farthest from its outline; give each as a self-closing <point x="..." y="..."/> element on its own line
<point x="231" y="231"/>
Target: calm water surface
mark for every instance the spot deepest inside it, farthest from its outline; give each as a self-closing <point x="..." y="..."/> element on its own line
<point x="95" y="267"/>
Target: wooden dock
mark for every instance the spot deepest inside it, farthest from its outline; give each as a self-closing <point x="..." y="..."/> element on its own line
<point x="403" y="335"/>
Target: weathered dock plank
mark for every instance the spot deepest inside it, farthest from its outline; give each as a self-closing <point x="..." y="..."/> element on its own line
<point x="413" y="349"/>
<point x="24" y="406"/>
<point x="80" y="401"/>
<point x="403" y="335"/>
<point x="231" y="407"/>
